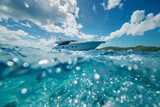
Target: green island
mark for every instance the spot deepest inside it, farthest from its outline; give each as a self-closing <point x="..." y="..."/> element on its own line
<point x="138" y="48"/>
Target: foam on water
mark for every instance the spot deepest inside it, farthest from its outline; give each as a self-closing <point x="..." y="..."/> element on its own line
<point x="35" y="77"/>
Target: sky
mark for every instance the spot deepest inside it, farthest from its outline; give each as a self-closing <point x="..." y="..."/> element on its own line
<point x="120" y="23"/>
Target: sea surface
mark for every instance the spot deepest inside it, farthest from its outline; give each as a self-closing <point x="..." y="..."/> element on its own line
<point x="35" y="77"/>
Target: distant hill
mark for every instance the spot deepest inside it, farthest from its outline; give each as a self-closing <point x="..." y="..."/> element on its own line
<point x="138" y="48"/>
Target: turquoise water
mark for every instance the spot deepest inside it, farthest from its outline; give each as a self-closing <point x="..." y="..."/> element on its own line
<point x="36" y="77"/>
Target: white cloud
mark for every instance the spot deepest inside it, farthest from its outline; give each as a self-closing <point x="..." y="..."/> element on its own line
<point x="104" y="5"/>
<point x="44" y="13"/>
<point x="94" y="8"/>
<point x="86" y="36"/>
<point x="33" y="37"/>
<point x="112" y="4"/>
<point x="11" y="35"/>
<point x="10" y="25"/>
<point x="8" y="37"/>
<point x="76" y="12"/>
<point x="120" y="5"/>
<point x="138" y="24"/>
<point x="49" y="42"/>
<point x="16" y="38"/>
<point x="27" y="24"/>
<point x="16" y="25"/>
<point x="40" y="12"/>
<point x="69" y="31"/>
<point x="137" y="16"/>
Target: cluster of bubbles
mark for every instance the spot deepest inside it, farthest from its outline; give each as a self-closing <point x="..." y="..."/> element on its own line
<point x="87" y="80"/>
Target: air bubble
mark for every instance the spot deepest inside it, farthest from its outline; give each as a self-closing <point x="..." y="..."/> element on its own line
<point x="78" y="68"/>
<point x="26" y="4"/>
<point x="41" y="62"/>
<point x="158" y="92"/>
<point x="44" y="74"/>
<point x="76" y="101"/>
<point x="50" y="71"/>
<point x="10" y="63"/>
<point x="83" y="74"/>
<point x="129" y="68"/>
<point x="96" y="76"/>
<point x="24" y="91"/>
<point x="25" y="64"/>
<point x="84" y="105"/>
<point x="15" y="59"/>
<point x="58" y="70"/>
<point x="69" y="62"/>
<point x="75" y="82"/>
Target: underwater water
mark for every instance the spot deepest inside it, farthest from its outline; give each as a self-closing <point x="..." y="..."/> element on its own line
<point x="35" y="77"/>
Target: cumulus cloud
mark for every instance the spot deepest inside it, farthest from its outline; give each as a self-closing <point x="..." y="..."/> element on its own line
<point x="44" y="13"/>
<point x="139" y="23"/>
<point x="112" y="4"/>
<point x="12" y="37"/>
<point x="8" y="35"/>
<point x="86" y="36"/>
<point x="16" y="38"/>
<point x="48" y="42"/>
<point x="137" y="16"/>
<point x="69" y="31"/>
<point x="41" y="11"/>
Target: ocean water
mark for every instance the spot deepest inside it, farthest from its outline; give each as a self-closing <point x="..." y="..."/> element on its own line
<point x="37" y="77"/>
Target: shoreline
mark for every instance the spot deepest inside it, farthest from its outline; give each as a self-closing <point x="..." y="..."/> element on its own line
<point x="137" y="48"/>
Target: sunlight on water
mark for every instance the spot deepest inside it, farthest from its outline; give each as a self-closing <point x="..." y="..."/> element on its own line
<point x="35" y="77"/>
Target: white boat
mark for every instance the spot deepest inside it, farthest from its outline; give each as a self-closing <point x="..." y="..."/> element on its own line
<point x="77" y="46"/>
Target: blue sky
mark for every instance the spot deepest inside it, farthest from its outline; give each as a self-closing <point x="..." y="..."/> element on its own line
<point x="119" y="22"/>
